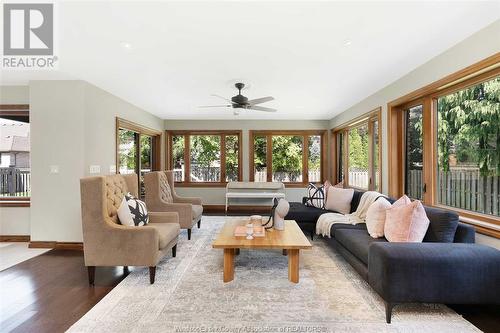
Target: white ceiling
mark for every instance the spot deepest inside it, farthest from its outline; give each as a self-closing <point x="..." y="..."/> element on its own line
<point x="181" y="52"/>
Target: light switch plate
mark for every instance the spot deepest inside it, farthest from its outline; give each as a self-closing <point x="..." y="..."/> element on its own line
<point x="112" y="168"/>
<point x="54" y="169"/>
<point x="95" y="169"/>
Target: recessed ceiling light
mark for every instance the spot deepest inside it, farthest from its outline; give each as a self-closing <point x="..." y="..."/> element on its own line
<point x="126" y="45"/>
<point x="347" y="42"/>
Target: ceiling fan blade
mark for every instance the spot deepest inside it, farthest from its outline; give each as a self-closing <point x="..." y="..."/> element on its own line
<point x="224" y="98"/>
<point x="261" y="108"/>
<point x="214" y="106"/>
<point x="260" y="100"/>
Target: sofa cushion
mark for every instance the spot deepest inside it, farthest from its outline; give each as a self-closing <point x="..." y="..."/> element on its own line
<point x="304" y="214"/>
<point x="337" y="226"/>
<point x="166" y="231"/>
<point x="197" y="211"/>
<point x="357" y="241"/>
<point x="375" y="217"/>
<point x="356" y="198"/>
<point x="132" y="212"/>
<point x="406" y="222"/>
<point x="443" y="225"/>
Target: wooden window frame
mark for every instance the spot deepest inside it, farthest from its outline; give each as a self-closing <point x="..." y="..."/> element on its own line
<point x="305" y="134"/>
<point x="367" y="119"/>
<point x="139" y="130"/>
<point x="187" y="133"/>
<point x="427" y="96"/>
<point x="15" y="110"/>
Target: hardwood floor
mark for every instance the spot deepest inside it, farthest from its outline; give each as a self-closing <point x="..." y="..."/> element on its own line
<point x="50" y="292"/>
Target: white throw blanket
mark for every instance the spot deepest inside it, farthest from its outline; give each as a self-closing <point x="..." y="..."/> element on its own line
<point x="326" y="220"/>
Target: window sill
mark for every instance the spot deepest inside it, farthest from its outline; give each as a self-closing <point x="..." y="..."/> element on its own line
<point x="8" y="202"/>
<point x="200" y="184"/>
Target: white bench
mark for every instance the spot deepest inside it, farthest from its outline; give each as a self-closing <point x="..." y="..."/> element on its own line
<point x="262" y="190"/>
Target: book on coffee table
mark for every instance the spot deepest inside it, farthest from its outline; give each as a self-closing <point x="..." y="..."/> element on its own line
<point x="241" y="230"/>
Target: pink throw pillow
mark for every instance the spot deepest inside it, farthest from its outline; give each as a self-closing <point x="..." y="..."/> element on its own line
<point x="406" y="222"/>
<point x="339" y="199"/>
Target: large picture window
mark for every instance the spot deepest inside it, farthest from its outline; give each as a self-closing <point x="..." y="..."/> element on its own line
<point x="357" y="153"/>
<point x="138" y="150"/>
<point x="293" y="157"/>
<point x="449" y="136"/>
<point x="209" y="158"/>
<point x="15" y="168"/>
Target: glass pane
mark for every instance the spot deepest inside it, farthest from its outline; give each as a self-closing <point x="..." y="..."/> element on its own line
<point x="127" y="151"/>
<point x="232" y="158"/>
<point x="15" y="174"/>
<point x="314" y="162"/>
<point x="205" y="158"/>
<point x="358" y="157"/>
<point x="259" y="159"/>
<point x="414" y="157"/>
<point x="178" y="146"/>
<point x="287" y="158"/>
<point x="376" y="167"/>
<point x="146" y="158"/>
<point x="340" y="161"/>
<point x="469" y="148"/>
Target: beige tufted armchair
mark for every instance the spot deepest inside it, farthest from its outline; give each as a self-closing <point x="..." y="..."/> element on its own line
<point x="108" y="243"/>
<point x="161" y="197"/>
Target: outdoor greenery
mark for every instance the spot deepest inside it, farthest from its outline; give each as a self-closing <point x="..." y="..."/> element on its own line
<point x="469" y="128"/>
<point x="358" y="148"/>
<point x="127" y="149"/>
<point x="231" y="158"/>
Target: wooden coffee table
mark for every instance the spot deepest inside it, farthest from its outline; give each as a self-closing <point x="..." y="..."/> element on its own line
<point x="291" y="241"/>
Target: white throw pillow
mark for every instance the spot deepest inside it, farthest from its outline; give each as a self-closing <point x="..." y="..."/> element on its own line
<point x="132" y="211"/>
<point x="339" y="199"/>
<point x="375" y="217"/>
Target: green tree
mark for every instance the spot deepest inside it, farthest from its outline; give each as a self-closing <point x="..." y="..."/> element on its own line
<point x="358" y="148"/>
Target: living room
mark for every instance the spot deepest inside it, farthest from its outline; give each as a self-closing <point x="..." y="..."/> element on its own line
<point x="304" y="117"/>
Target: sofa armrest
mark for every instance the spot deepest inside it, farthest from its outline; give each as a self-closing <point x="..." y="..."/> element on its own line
<point x="451" y="273"/>
<point x="465" y="233"/>
<point x="163" y="217"/>
<point x="187" y="200"/>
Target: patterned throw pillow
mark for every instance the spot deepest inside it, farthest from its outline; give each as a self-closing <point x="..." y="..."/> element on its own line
<point x="315" y="196"/>
<point x="132" y="211"/>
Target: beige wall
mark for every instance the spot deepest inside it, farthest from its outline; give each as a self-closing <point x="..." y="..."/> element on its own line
<point x="73" y="127"/>
<point x="471" y="50"/>
<point x="216" y="195"/>
<point x="14" y="220"/>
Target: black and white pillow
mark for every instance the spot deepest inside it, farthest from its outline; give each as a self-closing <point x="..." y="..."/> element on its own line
<point x="132" y="211"/>
<point x="315" y="196"/>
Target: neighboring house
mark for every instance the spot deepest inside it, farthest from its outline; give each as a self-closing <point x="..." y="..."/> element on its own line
<point x="14" y="144"/>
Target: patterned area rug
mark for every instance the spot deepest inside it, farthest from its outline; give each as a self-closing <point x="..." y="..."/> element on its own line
<point x="189" y="296"/>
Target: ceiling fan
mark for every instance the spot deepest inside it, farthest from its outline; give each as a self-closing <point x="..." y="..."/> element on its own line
<point x="241" y="102"/>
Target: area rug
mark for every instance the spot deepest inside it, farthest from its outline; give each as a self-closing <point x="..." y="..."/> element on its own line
<point x="189" y="296"/>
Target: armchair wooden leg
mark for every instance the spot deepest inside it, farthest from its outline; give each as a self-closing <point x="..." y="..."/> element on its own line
<point x="388" y="311"/>
<point x="91" y="272"/>
<point x="174" y="250"/>
<point x="152" y="273"/>
<point x="189" y="234"/>
<point x="199" y="224"/>
<point x="125" y="270"/>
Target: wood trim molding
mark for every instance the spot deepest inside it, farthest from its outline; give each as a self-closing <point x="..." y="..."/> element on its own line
<point x="76" y="246"/>
<point x="14" y="107"/>
<point x="25" y="202"/>
<point x="236" y="208"/>
<point x="14" y="238"/>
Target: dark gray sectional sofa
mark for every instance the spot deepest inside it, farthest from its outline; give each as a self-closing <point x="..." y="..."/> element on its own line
<point x="447" y="267"/>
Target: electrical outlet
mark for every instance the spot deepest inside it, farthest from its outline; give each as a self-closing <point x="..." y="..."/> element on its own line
<point x="112" y="169"/>
<point x="54" y="169"/>
<point x="95" y="169"/>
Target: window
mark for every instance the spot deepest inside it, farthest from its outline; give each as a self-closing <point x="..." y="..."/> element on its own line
<point x="468" y="140"/>
<point x="357" y="153"/>
<point x="293" y="157"/>
<point x="137" y="150"/>
<point x="15" y="172"/>
<point x="448" y="133"/>
<point x="209" y="158"/>
<point x="414" y="152"/>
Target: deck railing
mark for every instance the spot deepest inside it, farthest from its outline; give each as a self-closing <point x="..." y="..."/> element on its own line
<point x="15" y="182"/>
